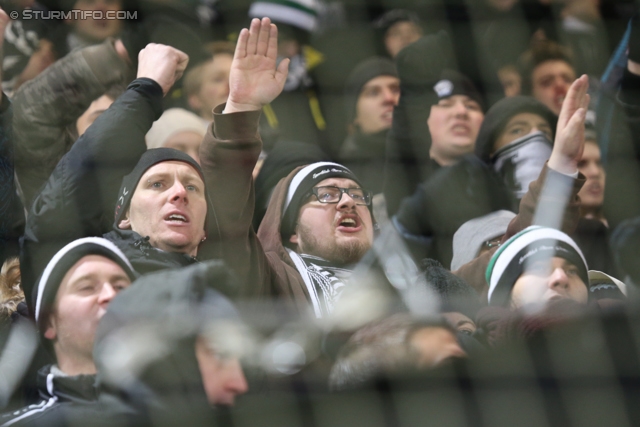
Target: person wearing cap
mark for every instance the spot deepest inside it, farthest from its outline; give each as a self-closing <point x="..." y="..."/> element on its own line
<point x="297" y="114"/>
<point x="318" y="222"/>
<point x="536" y="266"/>
<point x="71" y="297"/>
<point x="160" y="214"/>
<point x="398" y="28"/>
<point x="371" y="93"/>
<point x="179" y="129"/>
<point x="515" y="139"/>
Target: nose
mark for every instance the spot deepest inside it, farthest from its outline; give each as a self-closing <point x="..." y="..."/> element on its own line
<point x="236" y="382"/>
<point x="558" y="280"/>
<point x="346" y="202"/>
<point x="389" y="96"/>
<point x="460" y="109"/>
<point x="178" y="191"/>
<point x="107" y="293"/>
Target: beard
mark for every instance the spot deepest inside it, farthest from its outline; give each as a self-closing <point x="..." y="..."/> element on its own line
<point x="346" y="252"/>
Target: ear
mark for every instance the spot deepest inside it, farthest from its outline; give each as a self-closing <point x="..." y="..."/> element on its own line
<point x="50" y="333"/>
<point x="294" y="239"/>
<point x="125" y="223"/>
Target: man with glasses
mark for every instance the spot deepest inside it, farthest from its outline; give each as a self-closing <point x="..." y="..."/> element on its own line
<point x="318" y="222"/>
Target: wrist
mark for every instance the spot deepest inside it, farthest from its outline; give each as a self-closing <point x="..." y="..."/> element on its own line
<point x="563" y="165"/>
<point x="237" y="107"/>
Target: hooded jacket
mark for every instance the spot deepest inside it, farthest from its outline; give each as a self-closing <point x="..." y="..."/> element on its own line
<point x="228" y="154"/>
<point x="156" y="321"/>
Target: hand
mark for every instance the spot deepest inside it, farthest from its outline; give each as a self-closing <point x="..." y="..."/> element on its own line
<point x="254" y="80"/>
<point x="163" y="64"/>
<point x="569" y="142"/>
<point x="122" y="51"/>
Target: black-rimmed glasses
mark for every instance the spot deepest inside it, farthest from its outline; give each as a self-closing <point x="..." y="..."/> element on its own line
<point x="331" y="194"/>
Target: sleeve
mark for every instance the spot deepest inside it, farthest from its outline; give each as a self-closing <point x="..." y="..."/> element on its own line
<point x="79" y="197"/>
<point x="562" y="197"/>
<point x="48" y="105"/>
<point x="11" y="210"/>
<point x="228" y="155"/>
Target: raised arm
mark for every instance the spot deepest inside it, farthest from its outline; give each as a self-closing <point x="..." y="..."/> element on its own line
<point x="552" y="199"/>
<point x="231" y="148"/>
<point x="47" y="107"/>
<point x="79" y="197"/>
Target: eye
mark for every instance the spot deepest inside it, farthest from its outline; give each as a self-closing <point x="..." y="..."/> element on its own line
<point x="156" y="184"/>
<point x="516" y="130"/>
<point x="472" y="106"/>
<point x="572" y="271"/>
<point x="193" y="188"/>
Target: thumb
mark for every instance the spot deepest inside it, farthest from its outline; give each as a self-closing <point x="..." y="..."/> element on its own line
<point x="282" y="71"/>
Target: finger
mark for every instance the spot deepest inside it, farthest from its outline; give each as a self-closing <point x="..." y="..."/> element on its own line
<point x="263" y="37"/>
<point x="272" y="48"/>
<point x="241" y="46"/>
<point x="282" y="71"/>
<point x="586" y="101"/>
<point x="254" y="32"/>
<point x="571" y="102"/>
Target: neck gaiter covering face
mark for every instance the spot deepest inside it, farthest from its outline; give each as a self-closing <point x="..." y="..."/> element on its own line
<point x="520" y="162"/>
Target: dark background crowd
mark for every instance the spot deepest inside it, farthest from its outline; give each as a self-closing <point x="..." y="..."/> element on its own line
<point x="483" y="158"/>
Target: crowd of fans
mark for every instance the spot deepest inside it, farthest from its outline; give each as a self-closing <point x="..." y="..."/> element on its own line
<point x="313" y="212"/>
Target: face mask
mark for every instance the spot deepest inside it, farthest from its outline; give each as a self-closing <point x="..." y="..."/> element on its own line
<point x="520" y="162"/>
<point x="297" y="78"/>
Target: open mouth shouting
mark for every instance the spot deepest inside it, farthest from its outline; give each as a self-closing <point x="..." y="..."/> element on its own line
<point x="177" y="218"/>
<point x="349" y="223"/>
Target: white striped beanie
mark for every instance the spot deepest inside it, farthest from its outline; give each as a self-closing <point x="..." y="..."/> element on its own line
<point x="297" y="13"/>
<point x="300" y="187"/>
<point x="67" y="257"/>
<point x="534" y="242"/>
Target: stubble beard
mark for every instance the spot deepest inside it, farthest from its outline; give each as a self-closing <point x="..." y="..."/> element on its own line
<point x="347" y="252"/>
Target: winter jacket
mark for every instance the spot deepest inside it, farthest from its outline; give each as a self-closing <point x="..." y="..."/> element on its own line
<point x="11" y="210"/>
<point x="228" y="155"/>
<point x="474" y="272"/>
<point x="49" y="105"/>
<point x="79" y="198"/>
<point x="65" y="401"/>
<point x="165" y="311"/>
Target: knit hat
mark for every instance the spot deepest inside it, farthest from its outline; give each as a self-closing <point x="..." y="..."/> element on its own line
<point x="499" y="115"/>
<point x="361" y="74"/>
<point x="601" y="286"/>
<point x="148" y="159"/>
<point x="301" y="14"/>
<point x="532" y="243"/>
<point x="468" y="240"/>
<point x="300" y="186"/>
<point x="455" y="294"/>
<point x="172" y="122"/>
<point x="392" y="17"/>
<point x="454" y="83"/>
<point x="63" y="260"/>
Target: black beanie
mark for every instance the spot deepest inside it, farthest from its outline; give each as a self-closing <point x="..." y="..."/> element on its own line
<point x="361" y="74"/>
<point x="454" y="83"/>
<point x="63" y="260"/>
<point x="500" y="113"/>
<point x="147" y="160"/>
<point x="301" y="185"/>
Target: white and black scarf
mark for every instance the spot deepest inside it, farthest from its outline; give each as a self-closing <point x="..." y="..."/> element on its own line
<point x="324" y="281"/>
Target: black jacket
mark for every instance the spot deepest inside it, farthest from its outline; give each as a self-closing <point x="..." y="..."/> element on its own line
<point x="78" y="199"/>
<point x="70" y="400"/>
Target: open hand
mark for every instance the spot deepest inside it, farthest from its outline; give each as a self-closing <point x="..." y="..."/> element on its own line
<point x="162" y="63"/>
<point x="254" y="80"/>
<point x="569" y="141"/>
